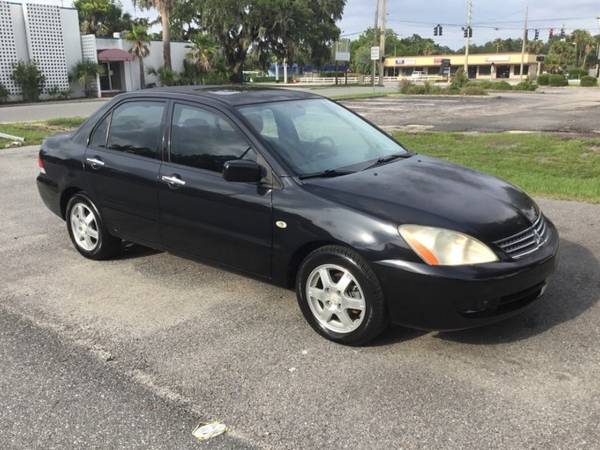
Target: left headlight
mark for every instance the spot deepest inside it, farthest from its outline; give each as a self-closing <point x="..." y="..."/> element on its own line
<point x="440" y="247"/>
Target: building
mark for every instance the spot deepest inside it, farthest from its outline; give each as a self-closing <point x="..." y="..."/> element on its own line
<point x="483" y="66"/>
<point x="49" y="35"/>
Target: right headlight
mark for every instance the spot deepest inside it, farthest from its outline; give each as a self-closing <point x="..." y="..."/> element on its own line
<point x="441" y="247"/>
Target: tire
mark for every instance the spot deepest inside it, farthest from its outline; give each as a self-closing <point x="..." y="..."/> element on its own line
<point x="87" y="231"/>
<point x="350" y="291"/>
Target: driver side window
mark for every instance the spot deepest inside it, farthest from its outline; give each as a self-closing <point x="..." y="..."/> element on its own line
<point x="206" y="140"/>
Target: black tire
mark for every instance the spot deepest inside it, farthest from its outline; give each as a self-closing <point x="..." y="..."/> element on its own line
<point x="106" y="245"/>
<point x="375" y="318"/>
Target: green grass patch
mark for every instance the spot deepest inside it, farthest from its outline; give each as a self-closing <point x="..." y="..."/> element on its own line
<point x="35" y="132"/>
<point x="541" y="164"/>
<point x="358" y="96"/>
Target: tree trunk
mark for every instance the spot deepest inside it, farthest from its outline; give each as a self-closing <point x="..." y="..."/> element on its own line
<point x="166" y="37"/>
<point x="142" y="74"/>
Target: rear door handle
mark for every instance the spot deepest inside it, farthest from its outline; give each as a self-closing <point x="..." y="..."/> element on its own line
<point x="95" y="162"/>
<point x="173" y="180"/>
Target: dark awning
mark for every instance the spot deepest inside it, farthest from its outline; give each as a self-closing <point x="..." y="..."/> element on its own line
<point x="114" y="54"/>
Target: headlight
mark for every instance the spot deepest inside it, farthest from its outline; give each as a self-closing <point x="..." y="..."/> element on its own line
<point x="440" y="247"/>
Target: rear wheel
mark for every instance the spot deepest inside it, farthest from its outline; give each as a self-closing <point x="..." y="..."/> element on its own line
<point x="340" y="296"/>
<point x="86" y="230"/>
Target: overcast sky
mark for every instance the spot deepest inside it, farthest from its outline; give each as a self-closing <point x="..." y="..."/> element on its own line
<point x="506" y="15"/>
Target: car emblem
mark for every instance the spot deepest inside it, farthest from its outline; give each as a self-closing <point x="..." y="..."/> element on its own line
<point x="537" y="237"/>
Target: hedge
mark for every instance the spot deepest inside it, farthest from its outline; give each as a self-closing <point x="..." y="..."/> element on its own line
<point x="589" y="81"/>
<point x="558" y="80"/>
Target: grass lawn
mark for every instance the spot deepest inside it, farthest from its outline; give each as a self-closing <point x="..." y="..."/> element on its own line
<point x="35" y="132"/>
<point x="541" y="164"/>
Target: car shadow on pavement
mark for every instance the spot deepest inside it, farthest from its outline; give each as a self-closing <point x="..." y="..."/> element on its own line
<point x="131" y="251"/>
<point x="574" y="288"/>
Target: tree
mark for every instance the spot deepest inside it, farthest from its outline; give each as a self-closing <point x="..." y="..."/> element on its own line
<point x="85" y="72"/>
<point x="583" y="42"/>
<point x="300" y="30"/>
<point x="560" y="56"/>
<point x="139" y="37"/>
<point x="31" y="80"/>
<point x="202" y="52"/>
<point x="164" y="8"/>
<point x="101" y="17"/>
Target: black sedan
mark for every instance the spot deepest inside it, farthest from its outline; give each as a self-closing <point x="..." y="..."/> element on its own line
<point x="293" y="188"/>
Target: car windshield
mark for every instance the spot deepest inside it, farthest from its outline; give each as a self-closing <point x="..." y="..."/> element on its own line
<point x="317" y="135"/>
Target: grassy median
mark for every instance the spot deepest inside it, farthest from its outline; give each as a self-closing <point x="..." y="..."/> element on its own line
<point x="35" y="132"/>
<point x="565" y="167"/>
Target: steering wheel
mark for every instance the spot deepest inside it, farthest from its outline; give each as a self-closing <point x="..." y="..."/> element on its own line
<point x="327" y="147"/>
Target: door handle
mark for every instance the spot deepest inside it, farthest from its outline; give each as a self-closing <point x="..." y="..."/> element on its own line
<point x="95" y="162"/>
<point x="173" y="180"/>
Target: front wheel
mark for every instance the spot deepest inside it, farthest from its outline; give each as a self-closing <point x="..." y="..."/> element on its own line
<point x="340" y="296"/>
<point x="86" y="230"/>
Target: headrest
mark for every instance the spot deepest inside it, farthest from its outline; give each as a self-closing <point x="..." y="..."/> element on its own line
<point x="256" y="121"/>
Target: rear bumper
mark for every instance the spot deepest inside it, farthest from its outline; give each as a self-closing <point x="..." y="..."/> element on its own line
<point x="452" y="298"/>
<point x="50" y="194"/>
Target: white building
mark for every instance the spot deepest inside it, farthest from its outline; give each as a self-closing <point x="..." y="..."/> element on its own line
<point x="49" y="35"/>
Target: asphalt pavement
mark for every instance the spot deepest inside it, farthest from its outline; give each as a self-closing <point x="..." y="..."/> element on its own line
<point x="153" y="341"/>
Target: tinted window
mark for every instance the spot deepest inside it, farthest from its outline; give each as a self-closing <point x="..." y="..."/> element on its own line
<point x="99" y="137"/>
<point x="136" y="128"/>
<point x="203" y="139"/>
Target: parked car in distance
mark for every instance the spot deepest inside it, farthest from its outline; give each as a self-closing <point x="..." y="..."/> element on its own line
<point x="293" y="188"/>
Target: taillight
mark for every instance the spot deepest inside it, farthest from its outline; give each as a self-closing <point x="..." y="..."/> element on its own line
<point x="40" y="164"/>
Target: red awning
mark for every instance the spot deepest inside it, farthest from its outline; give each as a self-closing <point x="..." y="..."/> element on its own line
<point x="114" y="54"/>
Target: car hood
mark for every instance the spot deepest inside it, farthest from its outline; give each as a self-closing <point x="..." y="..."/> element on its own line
<point x="427" y="191"/>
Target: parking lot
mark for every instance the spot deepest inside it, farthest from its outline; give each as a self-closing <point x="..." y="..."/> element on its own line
<point x="134" y="352"/>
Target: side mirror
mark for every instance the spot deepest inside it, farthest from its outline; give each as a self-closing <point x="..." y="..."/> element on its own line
<point x="241" y="170"/>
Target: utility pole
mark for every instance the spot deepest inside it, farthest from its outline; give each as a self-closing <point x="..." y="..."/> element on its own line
<point x="468" y="35"/>
<point x="524" y="43"/>
<point x="375" y="31"/>
<point x="598" y="62"/>
<point x="382" y="14"/>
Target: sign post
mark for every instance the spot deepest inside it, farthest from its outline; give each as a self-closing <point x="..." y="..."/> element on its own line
<point x="374" y="57"/>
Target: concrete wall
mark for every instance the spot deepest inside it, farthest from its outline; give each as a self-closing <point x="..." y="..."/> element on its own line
<point x="72" y="42"/>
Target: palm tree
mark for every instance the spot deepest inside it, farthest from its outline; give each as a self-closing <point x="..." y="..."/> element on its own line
<point x="138" y="35"/>
<point x="583" y="45"/>
<point x="85" y="72"/>
<point x="499" y="44"/>
<point x="164" y="8"/>
<point x="202" y="52"/>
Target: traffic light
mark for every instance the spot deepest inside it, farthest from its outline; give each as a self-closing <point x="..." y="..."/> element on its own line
<point x="562" y="33"/>
<point x="468" y="32"/>
<point x="537" y="34"/>
<point x="437" y="30"/>
<point x="551" y="33"/>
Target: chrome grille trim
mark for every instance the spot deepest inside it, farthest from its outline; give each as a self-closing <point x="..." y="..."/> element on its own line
<point x="527" y="241"/>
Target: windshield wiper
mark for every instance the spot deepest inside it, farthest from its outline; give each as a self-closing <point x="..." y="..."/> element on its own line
<point x="329" y="173"/>
<point x="388" y="158"/>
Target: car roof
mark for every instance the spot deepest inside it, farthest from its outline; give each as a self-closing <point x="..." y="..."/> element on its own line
<point x="231" y="95"/>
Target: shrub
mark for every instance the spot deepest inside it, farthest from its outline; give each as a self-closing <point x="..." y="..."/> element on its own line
<point x="557" y="80"/>
<point x="473" y="90"/>
<point x="483" y="84"/>
<point x="31" y="80"/>
<point x="459" y="80"/>
<point x="589" y="81"/>
<point x="3" y="94"/>
<point x="501" y="86"/>
<point x="577" y="74"/>
<point x="56" y="92"/>
<point x="166" y="76"/>
<point x="543" y="79"/>
<point x="526" y="86"/>
<point x="405" y="86"/>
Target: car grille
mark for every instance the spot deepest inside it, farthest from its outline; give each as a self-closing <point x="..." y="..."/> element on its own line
<point x="526" y="241"/>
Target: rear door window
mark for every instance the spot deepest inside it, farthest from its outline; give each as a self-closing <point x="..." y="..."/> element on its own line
<point x="136" y="128"/>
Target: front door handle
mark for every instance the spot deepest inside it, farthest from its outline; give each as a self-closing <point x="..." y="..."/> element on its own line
<point x="173" y="180"/>
<point x="95" y="162"/>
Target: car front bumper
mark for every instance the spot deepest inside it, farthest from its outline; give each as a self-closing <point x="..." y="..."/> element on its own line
<point x="453" y="298"/>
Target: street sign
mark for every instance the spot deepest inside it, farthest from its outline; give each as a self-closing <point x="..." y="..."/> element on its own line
<point x="342" y="56"/>
<point x="374" y="53"/>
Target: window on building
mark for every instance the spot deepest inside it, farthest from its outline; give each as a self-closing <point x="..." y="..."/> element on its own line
<point x="518" y="69"/>
<point x="136" y="128"/>
<point x="485" y="70"/>
<point x="206" y="140"/>
<point x="98" y="139"/>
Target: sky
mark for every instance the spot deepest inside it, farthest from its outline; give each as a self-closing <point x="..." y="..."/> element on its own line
<point x="407" y="17"/>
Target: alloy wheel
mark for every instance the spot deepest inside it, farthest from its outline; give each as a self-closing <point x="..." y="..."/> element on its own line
<point x="84" y="227"/>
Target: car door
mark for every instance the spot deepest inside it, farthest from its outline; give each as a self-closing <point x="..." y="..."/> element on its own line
<point x="202" y="214"/>
<point x="122" y="161"/>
